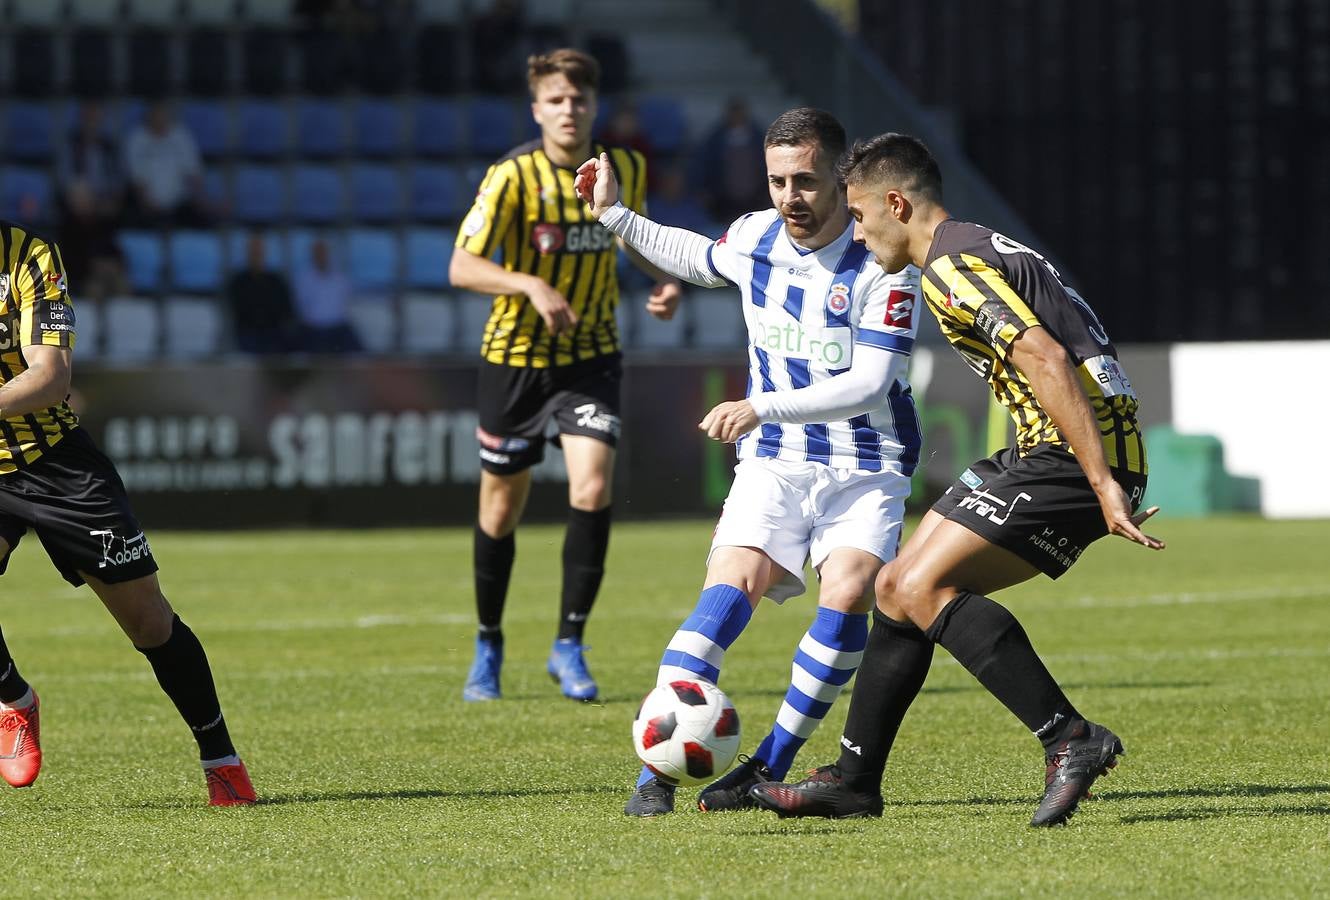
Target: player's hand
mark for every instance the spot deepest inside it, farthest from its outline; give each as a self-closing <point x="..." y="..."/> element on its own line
<point x="664" y="300"/>
<point x="554" y="310"/>
<point x="729" y="421"/>
<point x="596" y="185"/>
<point x="1117" y="513"/>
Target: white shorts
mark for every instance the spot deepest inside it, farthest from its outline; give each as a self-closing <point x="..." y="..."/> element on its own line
<point x="795" y="512"/>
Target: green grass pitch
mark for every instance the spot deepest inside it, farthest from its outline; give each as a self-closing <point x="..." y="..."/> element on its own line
<point x="340" y="658"/>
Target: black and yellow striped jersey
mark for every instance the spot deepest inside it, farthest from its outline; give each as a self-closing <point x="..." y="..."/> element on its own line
<point x="34" y="309"/>
<point x="985" y="290"/>
<point x="528" y="218"/>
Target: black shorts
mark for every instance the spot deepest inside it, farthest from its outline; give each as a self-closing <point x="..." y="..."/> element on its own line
<point x="516" y="405"/>
<point x="73" y="498"/>
<point x="1040" y="506"/>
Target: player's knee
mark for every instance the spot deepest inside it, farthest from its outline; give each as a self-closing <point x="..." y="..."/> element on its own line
<point x="885" y="590"/>
<point x="149" y="619"/>
<point x="590" y="494"/>
<point x="913" y="594"/>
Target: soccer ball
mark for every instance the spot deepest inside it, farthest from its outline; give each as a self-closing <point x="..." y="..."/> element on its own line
<point x="687" y="732"/>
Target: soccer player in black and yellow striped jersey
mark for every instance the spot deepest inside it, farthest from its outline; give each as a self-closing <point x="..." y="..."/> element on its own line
<point x="1078" y="472"/>
<point x="550" y="351"/>
<point x="55" y="481"/>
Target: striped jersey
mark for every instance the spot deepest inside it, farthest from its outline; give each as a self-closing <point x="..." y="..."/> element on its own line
<point x="807" y="311"/>
<point x="985" y="290"/>
<point x="34" y="309"/>
<point x="527" y="217"/>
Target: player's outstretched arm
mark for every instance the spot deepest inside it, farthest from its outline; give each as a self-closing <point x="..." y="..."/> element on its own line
<point x="1046" y="366"/>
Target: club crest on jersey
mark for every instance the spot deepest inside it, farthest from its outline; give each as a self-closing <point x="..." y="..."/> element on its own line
<point x="839" y="299"/>
<point x="4" y="286"/>
<point x="547" y="237"/>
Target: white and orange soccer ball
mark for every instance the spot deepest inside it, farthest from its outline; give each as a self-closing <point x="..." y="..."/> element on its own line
<point x="687" y="732"/>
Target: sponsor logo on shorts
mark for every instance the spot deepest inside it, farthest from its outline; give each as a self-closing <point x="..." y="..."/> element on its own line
<point x="588" y="417"/>
<point x="501" y="444"/>
<point x="498" y="459"/>
<point x="1060" y="548"/>
<point x="119" y="551"/>
<point x="990" y="506"/>
<point x="970" y="480"/>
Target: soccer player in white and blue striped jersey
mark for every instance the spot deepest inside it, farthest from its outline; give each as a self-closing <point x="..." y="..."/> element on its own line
<point x="827" y="436"/>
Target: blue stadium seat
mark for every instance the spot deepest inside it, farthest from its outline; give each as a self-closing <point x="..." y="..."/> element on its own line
<point x="320" y="128"/>
<point x="376" y="193"/>
<point x="259" y="195"/>
<point x="663" y="119"/>
<point x="319" y="195"/>
<point x="263" y="129"/>
<point x="29" y="131"/>
<point x="196" y="261"/>
<point x="373" y="256"/>
<point x="438" y="126"/>
<point x="28" y="195"/>
<point x="427" y="253"/>
<point x="491" y="125"/>
<point x="438" y="193"/>
<point x="208" y="122"/>
<point x="215" y="191"/>
<point x="379" y="128"/>
<point x="144" y="258"/>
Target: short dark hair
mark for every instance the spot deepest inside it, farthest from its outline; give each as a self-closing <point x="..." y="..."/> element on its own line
<point x="579" y="68"/>
<point x="806" y="125"/>
<point x="900" y="159"/>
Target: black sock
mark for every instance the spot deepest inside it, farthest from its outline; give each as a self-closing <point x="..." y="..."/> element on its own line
<point x="895" y="664"/>
<point x="584" y="546"/>
<point x="12" y="685"/>
<point x="182" y="670"/>
<point x="988" y="641"/>
<point x="492" y="559"/>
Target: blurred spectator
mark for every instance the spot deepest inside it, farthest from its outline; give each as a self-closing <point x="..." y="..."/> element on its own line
<point x="262" y="316"/>
<point x="731" y="165"/>
<point x="497" y="41"/>
<point x="625" y="130"/>
<point x="673" y="204"/>
<point x="88" y="247"/>
<point x="165" y="170"/>
<point x="323" y="299"/>
<point x="89" y="162"/>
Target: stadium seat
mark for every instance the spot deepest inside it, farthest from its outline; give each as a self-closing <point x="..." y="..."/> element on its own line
<point x="437" y="129"/>
<point x="373" y="257"/>
<point x="94" y="12"/>
<point x="196" y="261"/>
<point x="429" y="323"/>
<point x="318" y="194"/>
<point x="35" y="12"/>
<point x="381" y="61"/>
<point x="264" y="52"/>
<point x="437" y="193"/>
<point x="132" y="329"/>
<point x="650" y="333"/>
<point x="149" y="63"/>
<point x="129" y="113"/>
<point x="259" y="194"/>
<point x="88" y="329"/>
<point x="427" y="253"/>
<point x="27" y="195"/>
<point x="266" y="12"/>
<point x="320" y="128"/>
<point x="144" y="259"/>
<point x="154" y="12"/>
<point x="93" y="72"/>
<point x="326" y="62"/>
<point x="375" y="321"/>
<point x="210" y="12"/>
<point x="718" y="319"/>
<point x="31" y="51"/>
<point x="262" y="129"/>
<point x="491" y="126"/>
<point x="379" y="128"/>
<point x="29" y="133"/>
<point x="663" y="119"/>
<point x="193" y="327"/>
<point x="216" y="193"/>
<point x="449" y="11"/>
<point x="473" y="311"/>
<point x="208" y="122"/>
<point x="208" y="68"/>
<point x="237" y="240"/>
<point x="436" y="59"/>
<point x="376" y="193"/>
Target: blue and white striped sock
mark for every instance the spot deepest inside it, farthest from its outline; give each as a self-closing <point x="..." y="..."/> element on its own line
<point x="825" y="660"/>
<point x="698" y="648"/>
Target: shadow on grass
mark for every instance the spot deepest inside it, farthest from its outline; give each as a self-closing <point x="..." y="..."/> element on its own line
<point x="1216" y="792"/>
<point x="432" y="794"/>
<point x="1217" y="812"/>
